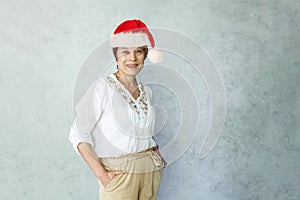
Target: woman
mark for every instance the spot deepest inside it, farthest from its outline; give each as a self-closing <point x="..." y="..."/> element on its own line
<point x="113" y="127"/>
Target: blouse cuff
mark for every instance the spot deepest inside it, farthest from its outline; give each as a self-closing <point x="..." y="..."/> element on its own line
<point x="76" y="138"/>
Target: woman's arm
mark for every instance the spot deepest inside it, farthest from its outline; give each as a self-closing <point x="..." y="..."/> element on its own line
<point x="86" y="151"/>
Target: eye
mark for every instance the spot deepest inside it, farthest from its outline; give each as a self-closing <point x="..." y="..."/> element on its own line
<point x="125" y="52"/>
<point x="139" y="51"/>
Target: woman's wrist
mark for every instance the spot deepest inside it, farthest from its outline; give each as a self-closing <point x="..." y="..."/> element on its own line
<point x="103" y="177"/>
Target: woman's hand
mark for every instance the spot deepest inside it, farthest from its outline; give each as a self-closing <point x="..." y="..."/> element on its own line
<point x="164" y="161"/>
<point x="87" y="152"/>
<point x="110" y="176"/>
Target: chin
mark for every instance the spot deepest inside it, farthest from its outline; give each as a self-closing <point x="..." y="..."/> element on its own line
<point x="133" y="71"/>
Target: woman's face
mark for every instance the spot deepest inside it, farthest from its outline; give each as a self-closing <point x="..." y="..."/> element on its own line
<point x="130" y="60"/>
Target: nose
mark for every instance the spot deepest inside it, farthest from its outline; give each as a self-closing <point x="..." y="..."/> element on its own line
<point x="132" y="55"/>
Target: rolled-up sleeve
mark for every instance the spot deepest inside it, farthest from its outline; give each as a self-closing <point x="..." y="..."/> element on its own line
<point x="87" y="113"/>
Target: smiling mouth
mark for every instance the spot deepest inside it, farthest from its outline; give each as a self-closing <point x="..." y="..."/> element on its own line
<point x="132" y="66"/>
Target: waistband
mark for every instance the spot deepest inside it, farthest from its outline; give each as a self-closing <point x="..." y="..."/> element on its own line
<point x="144" y="161"/>
<point x="144" y="151"/>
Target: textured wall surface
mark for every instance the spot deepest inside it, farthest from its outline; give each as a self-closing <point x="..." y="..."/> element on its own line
<point x="255" y="44"/>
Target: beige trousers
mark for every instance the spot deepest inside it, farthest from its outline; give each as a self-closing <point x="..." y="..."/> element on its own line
<point x="142" y="180"/>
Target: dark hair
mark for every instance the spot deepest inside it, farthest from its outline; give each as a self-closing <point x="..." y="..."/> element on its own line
<point x="145" y="49"/>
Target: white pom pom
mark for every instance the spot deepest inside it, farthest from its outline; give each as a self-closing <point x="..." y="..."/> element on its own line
<point x="155" y="55"/>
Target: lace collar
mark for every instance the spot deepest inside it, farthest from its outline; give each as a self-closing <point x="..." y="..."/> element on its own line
<point x="140" y="105"/>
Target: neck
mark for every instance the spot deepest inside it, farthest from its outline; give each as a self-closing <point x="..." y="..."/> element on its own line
<point x="127" y="80"/>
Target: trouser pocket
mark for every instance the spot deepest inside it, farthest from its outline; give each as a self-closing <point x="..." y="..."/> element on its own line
<point x="115" y="182"/>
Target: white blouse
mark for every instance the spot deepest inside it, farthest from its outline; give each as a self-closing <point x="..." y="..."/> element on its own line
<point x="112" y="121"/>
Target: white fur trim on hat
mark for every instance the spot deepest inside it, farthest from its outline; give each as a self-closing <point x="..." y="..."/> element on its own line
<point x="129" y="39"/>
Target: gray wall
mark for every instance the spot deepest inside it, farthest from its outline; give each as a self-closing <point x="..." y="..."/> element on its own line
<point x="255" y="45"/>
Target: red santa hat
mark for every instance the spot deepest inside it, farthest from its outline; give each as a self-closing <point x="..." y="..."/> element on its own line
<point x="134" y="33"/>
